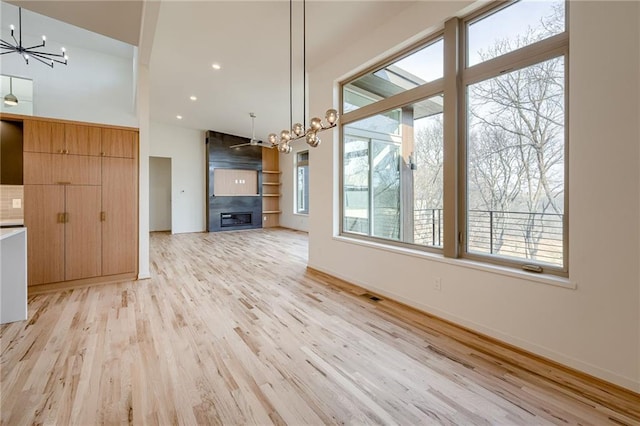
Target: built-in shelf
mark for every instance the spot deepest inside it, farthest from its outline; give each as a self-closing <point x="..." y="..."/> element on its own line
<point x="270" y="188"/>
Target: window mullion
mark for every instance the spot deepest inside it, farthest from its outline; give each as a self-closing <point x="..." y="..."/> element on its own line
<point x="450" y="122"/>
<point x="401" y="99"/>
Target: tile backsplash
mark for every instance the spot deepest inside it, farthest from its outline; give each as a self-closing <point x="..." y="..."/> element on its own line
<point x="11" y="203"/>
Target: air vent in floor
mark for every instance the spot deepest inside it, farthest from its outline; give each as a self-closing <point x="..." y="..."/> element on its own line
<point x="371" y="297"/>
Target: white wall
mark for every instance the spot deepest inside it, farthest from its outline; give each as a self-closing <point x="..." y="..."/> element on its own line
<point x="142" y="103"/>
<point x="186" y="148"/>
<point x="288" y="218"/>
<point x="94" y="87"/>
<point x="594" y="327"/>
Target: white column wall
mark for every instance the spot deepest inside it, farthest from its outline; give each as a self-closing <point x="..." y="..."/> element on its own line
<point x="142" y="102"/>
<point x="186" y="148"/>
<point x="593" y="327"/>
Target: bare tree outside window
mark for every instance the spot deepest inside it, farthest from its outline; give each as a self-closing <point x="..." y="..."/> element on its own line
<point x="515" y="166"/>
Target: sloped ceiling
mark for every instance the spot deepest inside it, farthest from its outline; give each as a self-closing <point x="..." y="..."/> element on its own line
<point x="120" y="20"/>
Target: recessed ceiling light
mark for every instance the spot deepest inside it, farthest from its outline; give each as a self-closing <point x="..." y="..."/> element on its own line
<point x="179" y="117"/>
<point x="216" y="66"/>
<point x="193" y="98"/>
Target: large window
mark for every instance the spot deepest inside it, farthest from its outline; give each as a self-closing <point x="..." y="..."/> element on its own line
<point x="393" y="174"/>
<point x="481" y="175"/>
<point x="302" y="182"/>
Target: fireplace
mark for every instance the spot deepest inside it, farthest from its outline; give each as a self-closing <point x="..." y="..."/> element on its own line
<point x="235" y="219"/>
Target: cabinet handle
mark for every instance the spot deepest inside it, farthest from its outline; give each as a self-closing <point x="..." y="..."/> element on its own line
<point x="66" y="151"/>
<point x="66" y="217"/>
<point x="61" y="151"/>
<point x="102" y="154"/>
<point x="103" y="216"/>
<point x="60" y="218"/>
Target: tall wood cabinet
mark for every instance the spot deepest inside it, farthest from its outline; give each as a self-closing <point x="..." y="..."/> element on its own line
<point x="81" y="201"/>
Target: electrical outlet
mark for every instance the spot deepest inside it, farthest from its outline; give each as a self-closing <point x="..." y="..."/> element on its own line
<point x="17" y="203"/>
<point x="264" y="218"/>
<point x="437" y="284"/>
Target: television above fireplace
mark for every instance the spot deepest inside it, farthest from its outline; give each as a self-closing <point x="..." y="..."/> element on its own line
<point x="235" y="182"/>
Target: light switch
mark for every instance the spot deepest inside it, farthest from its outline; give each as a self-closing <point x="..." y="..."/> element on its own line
<point x="17" y="203"/>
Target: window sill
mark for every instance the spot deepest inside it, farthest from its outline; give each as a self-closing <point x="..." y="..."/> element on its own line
<point x="301" y="214"/>
<point x="465" y="263"/>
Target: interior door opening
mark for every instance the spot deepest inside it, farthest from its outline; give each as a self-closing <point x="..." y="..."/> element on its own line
<point x="159" y="194"/>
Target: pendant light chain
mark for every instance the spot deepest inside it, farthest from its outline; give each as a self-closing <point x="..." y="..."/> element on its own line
<point x="297" y="130"/>
<point x="290" y="63"/>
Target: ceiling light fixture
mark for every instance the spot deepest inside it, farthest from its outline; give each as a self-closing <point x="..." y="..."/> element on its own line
<point x="179" y="117"/>
<point x="193" y="98"/>
<point x="216" y="66"/>
<point x="316" y="125"/>
<point x="46" y="58"/>
<point x="10" y="99"/>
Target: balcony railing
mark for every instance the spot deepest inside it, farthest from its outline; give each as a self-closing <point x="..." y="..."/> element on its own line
<point x="520" y="235"/>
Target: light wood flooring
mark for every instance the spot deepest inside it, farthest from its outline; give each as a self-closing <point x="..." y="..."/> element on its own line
<point x="233" y="329"/>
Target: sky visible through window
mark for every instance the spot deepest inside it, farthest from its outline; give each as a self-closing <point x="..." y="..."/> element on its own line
<point x="511" y="24"/>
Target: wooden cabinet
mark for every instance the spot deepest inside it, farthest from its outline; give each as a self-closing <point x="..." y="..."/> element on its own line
<point x="119" y="143"/>
<point x="44" y="219"/>
<point x="81" y="202"/>
<point x="82" y="140"/>
<point x="61" y="138"/>
<point x="270" y="188"/>
<point x="53" y="169"/>
<point x="119" y="228"/>
<point x="63" y="232"/>
<point x="43" y="136"/>
<point x="82" y="233"/>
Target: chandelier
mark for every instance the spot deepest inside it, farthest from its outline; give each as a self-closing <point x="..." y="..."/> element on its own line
<point x="27" y="53"/>
<point x="298" y="131"/>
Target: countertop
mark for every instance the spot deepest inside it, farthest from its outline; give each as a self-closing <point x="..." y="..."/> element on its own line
<point x="10" y="232"/>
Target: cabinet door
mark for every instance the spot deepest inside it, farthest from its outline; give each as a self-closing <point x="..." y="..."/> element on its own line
<point x="38" y="168"/>
<point x="120" y="207"/>
<point x="82" y="232"/>
<point x="82" y="140"/>
<point x="43" y="217"/>
<point x="53" y="169"/>
<point x="80" y="170"/>
<point x="43" y="136"/>
<point x="119" y="143"/>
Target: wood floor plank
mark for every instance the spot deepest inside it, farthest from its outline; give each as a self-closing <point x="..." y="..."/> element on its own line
<point x="233" y="329"/>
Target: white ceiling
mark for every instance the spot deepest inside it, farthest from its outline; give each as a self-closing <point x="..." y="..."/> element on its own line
<point x="249" y="39"/>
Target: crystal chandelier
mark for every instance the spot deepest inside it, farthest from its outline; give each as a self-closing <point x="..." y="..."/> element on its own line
<point x="27" y="53"/>
<point x="298" y="131"/>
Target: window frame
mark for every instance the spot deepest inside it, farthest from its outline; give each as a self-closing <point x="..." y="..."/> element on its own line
<point x="453" y="85"/>
<point x="540" y="51"/>
<point x="398" y="101"/>
<point x="298" y="164"/>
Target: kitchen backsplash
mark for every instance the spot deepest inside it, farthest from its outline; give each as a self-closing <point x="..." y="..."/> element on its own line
<point x="11" y="204"/>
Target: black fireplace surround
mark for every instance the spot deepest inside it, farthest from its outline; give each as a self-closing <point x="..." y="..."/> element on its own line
<point x="231" y="212"/>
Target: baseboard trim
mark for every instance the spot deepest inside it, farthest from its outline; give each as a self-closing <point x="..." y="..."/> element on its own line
<point x="75" y="284"/>
<point x="604" y="392"/>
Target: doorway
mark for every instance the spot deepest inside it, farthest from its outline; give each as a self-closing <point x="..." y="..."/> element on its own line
<point x="159" y="194"/>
